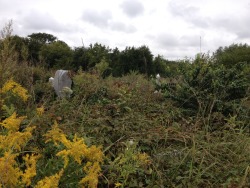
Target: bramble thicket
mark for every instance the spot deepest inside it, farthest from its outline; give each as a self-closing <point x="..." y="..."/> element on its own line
<point x="122" y="126"/>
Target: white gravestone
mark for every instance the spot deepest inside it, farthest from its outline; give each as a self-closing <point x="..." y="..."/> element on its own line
<point x="61" y="82"/>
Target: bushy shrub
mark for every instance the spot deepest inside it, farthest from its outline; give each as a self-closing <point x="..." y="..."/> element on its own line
<point x="205" y="88"/>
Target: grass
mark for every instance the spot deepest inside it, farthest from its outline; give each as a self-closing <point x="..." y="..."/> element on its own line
<point x="182" y="152"/>
<point x="147" y="139"/>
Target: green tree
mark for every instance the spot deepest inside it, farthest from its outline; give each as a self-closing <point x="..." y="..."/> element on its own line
<point x="43" y="38"/>
<point x="115" y="64"/>
<point x="136" y="59"/>
<point x="145" y="63"/>
<point x="233" y="54"/>
<point x="87" y="58"/>
<point x="159" y="65"/>
<point x="35" y="42"/>
<point x="95" y="53"/>
<point x="80" y="58"/>
<point x="57" y="55"/>
<point x="20" y="45"/>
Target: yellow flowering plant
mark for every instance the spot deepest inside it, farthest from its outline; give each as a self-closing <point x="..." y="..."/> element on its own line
<point x="18" y="167"/>
<point x="15" y="88"/>
<point x="51" y="181"/>
<point x="9" y="93"/>
<point x="78" y="151"/>
<point x="40" y="111"/>
<point x="12" y="142"/>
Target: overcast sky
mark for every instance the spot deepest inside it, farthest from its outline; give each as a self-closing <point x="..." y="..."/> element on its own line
<point x="171" y="28"/>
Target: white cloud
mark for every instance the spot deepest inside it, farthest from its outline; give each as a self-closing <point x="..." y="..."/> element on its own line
<point x="122" y="27"/>
<point x="97" y="18"/>
<point x="171" y="28"/>
<point x="132" y="8"/>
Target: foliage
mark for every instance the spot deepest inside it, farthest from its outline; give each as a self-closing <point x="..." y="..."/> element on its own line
<point x="205" y="88"/>
<point x="192" y="130"/>
<point x="80" y="59"/>
<point x="35" y="42"/>
<point x="13" y="141"/>
<point x="102" y="68"/>
<point x="56" y="55"/>
<point x="131" y="167"/>
<point x="233" y="54"/>
<point x="43" y="38"/>
<point x="7" y="54"/>
<point x="136" y="59"/>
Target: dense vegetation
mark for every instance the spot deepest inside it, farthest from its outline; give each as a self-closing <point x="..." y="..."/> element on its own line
<point x="122" y="127"/>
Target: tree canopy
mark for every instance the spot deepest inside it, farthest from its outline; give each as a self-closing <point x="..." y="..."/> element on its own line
<point x="230" y="55"/>
<point x="45" y="49"/>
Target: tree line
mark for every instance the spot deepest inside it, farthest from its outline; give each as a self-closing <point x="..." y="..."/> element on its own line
<point x="46" y="50"/>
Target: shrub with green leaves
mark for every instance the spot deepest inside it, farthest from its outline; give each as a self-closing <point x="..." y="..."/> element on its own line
<point x="205" y="87"/>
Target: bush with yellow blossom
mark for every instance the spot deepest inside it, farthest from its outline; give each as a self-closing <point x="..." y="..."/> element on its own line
<point x="18" y="167"/>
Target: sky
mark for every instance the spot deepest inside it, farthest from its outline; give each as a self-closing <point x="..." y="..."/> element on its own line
<point x="174" y="29"/>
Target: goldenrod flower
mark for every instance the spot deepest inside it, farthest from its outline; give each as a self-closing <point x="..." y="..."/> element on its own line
<point x="143" y="158"/>
<point x="30" y="171"/>
<point x="40" y="111"/>
<point x="50" y="182"/>
<point x="9" y="85"/>
<point x="9" y="172"/>
<point x="15" y="140"/>
<point x="16" y="89"/>
<point x="92" y="170"/>
<point x="118" y="185"/>
<point x="76" y="149"/>
<point x="94" y="154"/>
<point x="13" y="122"/>
<point x="55" y="134"/>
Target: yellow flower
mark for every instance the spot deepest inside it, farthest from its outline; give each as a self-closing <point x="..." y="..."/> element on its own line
<point x="40" y="111"/>
<point x="118" y="184"/>
<point x="94" y="154"/>
<point x="143" y="158"/>
<point x="16" y="88"/>
<point x="30" y="171"/>
<point x="92" y="170"/>
<point x="9" y="172"/>
<point x="55" y="134"/>
<point x="50" y="182"/>
<point x="13" y="122"/>
<point x="9" y="85"/>
<point x="76" y="149"/>
<point x="15" y="140"/>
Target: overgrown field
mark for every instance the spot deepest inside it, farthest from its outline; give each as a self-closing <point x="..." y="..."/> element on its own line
<point x="119" y="132"/>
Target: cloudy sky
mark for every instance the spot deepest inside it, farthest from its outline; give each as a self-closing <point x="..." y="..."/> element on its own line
<point x="172" y="28"/>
